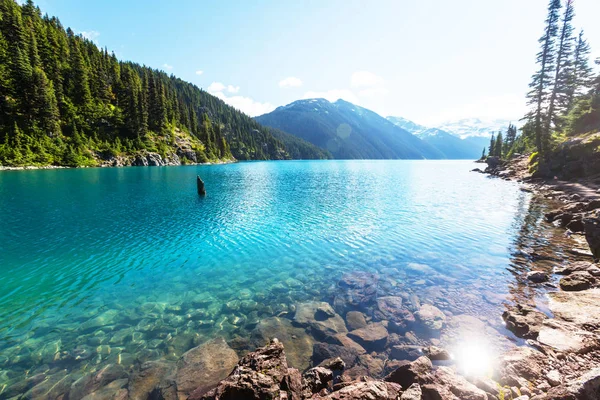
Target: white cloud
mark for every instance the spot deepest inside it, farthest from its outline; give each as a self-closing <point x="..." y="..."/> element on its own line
<point x="244" y="104"/>
<point x="167" y="66"/>
<point x="199" y="72"/>
<point x="215" y="87"/>
<point x="361" y="79"/>
<point x="290" y="82"/>
<point x="333" y="95"/>
<point x="91" y="35"/>
<point x="374" y="92"/>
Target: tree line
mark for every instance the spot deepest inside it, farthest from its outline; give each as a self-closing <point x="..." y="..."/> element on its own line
<point x="564" y="95"/>
<point x="65" y="101"/>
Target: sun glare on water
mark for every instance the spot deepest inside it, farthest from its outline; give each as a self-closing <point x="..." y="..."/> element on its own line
<point x="474" y="358"/>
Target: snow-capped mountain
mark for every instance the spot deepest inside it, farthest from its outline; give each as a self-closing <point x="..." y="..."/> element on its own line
<point x="474" y="127"/>
<point x="407" y="125"/>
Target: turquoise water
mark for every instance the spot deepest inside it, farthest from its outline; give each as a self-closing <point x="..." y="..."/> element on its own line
<point x="133" y="259"/>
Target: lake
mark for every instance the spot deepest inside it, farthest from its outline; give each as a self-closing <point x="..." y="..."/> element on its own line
<point x="127" y="265"/>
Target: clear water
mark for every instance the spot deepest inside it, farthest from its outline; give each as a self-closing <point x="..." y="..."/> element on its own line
<point x="133" y="259"/>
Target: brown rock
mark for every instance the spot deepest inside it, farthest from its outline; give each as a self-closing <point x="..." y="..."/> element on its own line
<point x="373" y="337"/>
<point x="537" y="276"/>
<point x="431" y="317"/>
<point x="437" y="354"/>
<point x="153" y="376"/>
<point x="566" y="337"/>
<point x="449" y="385"/>
<point x="344" y="340"/>
<point x="326" y="351"/>
<point x="524" y="321"/>
<point x="586" y="387"/>
<point x="201" y="368"/>
<point x="580" y="280"/>
<point x="520" y="366"/>
<point x="581" y="308"/>
<point x="320" y="318"/>
<point x="574" y="267"/>
<point x="411" y="372"/>
<point x="355" y="320"/>
<point x="408" y="352"/>
<point x="372" y="390"/>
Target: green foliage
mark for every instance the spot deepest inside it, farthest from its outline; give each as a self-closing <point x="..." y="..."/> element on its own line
<point x="64" y="101"/>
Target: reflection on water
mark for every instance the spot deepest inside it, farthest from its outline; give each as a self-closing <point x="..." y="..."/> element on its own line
<point x="121" y="266"/>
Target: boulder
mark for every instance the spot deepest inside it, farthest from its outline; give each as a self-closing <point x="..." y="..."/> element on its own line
<point x="592" y="235"/>
<point x="524" y="321"/>
<point x="448" y="385"/>
<point x="431" y="317"/>
<point x="408" y="373"/>
<point x="262" y="374"/>
<point x="344" y="340"/>
<point x="537" y="276"/>
<point x="317" y="379"/>
<point x="566" y="337"/>
<point x="412" y="393"/>
<point x="92" y="382"/>
<point x="358" y="290"/>
<point x="355" y="320"/>
<point x="437" y="354"/>
<point x="320" y="318"/>
<point x="581" y="308"/>
<point x="372" y="337"/>
<point x="325" y="351"/>
<point x="298" y="344"/>
<point x="574" y="267"/>
<point x="201" y="368"/>
<point x="586" y="387"/>
<point x="152" y="377"/>
<point x="372" y="390"/>
<point x="580" y="280"/>
<point x="521" y="365"/>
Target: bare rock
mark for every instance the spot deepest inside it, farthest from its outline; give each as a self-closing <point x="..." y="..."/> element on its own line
<point x="373" y="337"/>
<point x="580" y="280"/>
<point x="326" y="351"/>
<point x="520" y="366"/>
<point x="412" y="393"/>
<point x="317" y="379"/>
<point x="372" y="390"/>
<point x="524" y="321"/>
<point x="437" y="354"/>
<point x="411" y="372"/>
<point x="581" y="308"/>
<point x="566" y="337"/>
<point x="553" y="378"/>
<point x="575" y="267"/>
<point x="201" y="368"/>
<point x="449" y="385"/>
<point x="586" y="387"/>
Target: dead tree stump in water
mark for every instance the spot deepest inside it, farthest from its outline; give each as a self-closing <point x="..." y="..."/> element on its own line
<point x="200" y="184"/>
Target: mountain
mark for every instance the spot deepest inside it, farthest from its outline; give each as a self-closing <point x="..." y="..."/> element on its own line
<point x="64" y="101"/>
<point x="462" y="139"/>
<point x="348" y="131"/>
<point x="474" y="127"/>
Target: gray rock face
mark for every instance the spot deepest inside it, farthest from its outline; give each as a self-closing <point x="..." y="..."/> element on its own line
<point x="202" y="367"/>
<point x="524" y="321"/>
<point x="580" y="280"/>
<point x="566" y="337"/>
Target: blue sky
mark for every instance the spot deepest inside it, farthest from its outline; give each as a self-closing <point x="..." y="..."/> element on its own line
<point x="427" y="60"/>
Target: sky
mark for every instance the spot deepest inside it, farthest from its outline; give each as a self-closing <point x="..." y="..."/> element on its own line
<point x="429" y="61"/>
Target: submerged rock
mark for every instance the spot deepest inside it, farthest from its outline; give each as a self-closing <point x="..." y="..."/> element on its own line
<point x="537" y="276"/>
<point x="320" y="318"/>
<point x="373" y="337"/>
<point x="431" y="317"/>
<point x="202" y="367"/>
<point x="355" y="320"/>
<point x="410" y="373"/>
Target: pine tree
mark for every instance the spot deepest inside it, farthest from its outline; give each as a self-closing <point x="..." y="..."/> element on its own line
<point x="541" y="81"/>
<point x="492" y="148"/>
<point x="483" y="154"/>
<point x="511" y="136"/>
<point x="560" y="86"/>
<point x="581" y="72"/>
<point x="498" y="145"/>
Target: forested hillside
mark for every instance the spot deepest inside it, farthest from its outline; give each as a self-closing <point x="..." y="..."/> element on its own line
<point x="64" y="101"/>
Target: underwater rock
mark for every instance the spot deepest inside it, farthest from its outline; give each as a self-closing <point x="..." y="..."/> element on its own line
<point x="411" y="372"/>
<point x="326" y="351"/>
<point x="355" y="320"/>
<point x="94" y="381"/>
<point x="297" y="342"/>
<point x="320" y="318"/>
<point x="373" y="337"/>
<point x="359" y="289"/>
<point x="152" y="376"/>
<point x="106" y="318"/>
<point x="431" y="317"/>
<point x="202" y="367"/>
<point x="408" y="352"/>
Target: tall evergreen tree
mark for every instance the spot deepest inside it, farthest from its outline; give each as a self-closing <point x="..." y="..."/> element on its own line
<point x="511" y="136"/>
<point x="541" y="81"/>
<point x="556" y="104"/>
<point x="581" y="73"/>
<point x="498" y="146"/>
<point x="492" y="148"/>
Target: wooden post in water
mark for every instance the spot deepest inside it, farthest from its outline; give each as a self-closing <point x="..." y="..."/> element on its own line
<point x="200" y="184"/>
